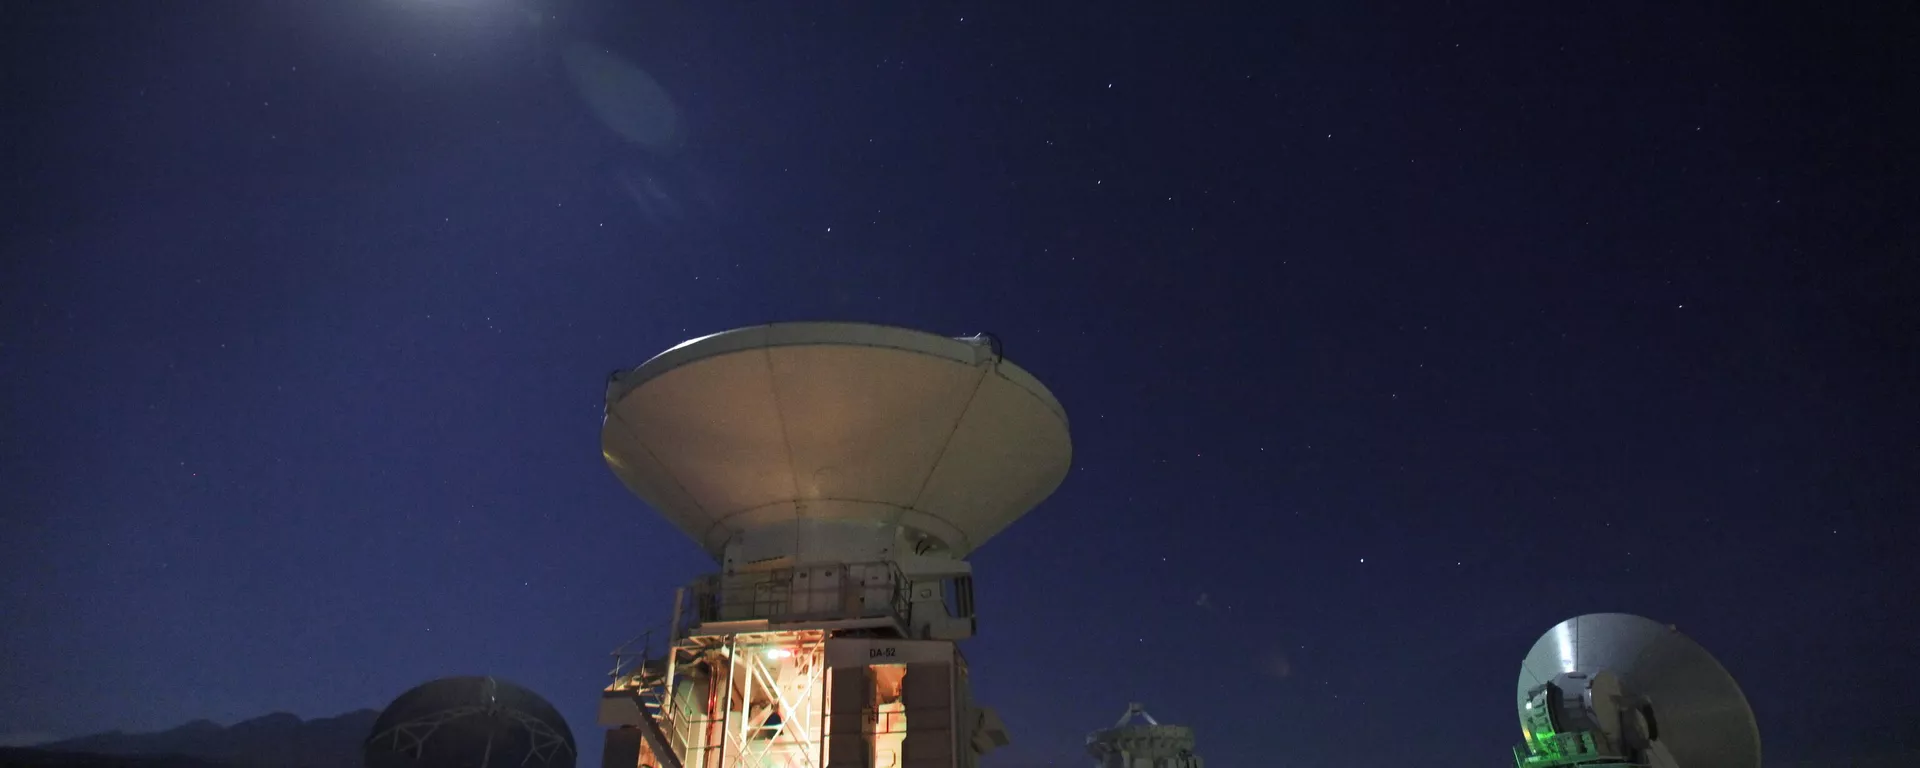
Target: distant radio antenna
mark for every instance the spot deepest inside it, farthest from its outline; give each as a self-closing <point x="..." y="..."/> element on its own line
<point x="1130" y="744"/>
<point x="469" y="722"/>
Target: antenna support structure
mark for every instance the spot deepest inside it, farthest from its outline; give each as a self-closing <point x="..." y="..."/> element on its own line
<point x="838" y="474"/>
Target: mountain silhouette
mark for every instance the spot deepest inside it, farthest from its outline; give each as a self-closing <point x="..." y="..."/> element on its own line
<point x="279" y="740"/>
<point x="30" y="757"/>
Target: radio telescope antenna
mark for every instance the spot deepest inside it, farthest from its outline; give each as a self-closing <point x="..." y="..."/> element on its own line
<point x="1618" y="689"/>
<point x="837" y="473"/>
<point x="469" y="722"/>
<point x="1132" y="744"/>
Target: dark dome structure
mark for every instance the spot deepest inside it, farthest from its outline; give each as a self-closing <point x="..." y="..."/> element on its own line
<point x="470" y="722"/>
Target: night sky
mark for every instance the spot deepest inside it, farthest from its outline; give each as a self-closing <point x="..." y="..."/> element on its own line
<point x="1391" y="335"/>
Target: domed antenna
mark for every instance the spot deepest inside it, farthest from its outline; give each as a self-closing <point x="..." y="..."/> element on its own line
<point x="838" y="473"/>
<point x="469" y="722"/>
<point x="1619" y="689"/>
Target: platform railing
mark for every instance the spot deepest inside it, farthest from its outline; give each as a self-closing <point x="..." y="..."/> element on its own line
<point x="633" y="658"/>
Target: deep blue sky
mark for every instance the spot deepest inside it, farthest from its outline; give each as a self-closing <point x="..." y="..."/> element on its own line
<point x="1399" y="332"/>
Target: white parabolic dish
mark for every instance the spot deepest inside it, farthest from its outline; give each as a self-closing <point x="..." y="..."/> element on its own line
<point x="1703" y="717"/>
<point x="764" y="426"/>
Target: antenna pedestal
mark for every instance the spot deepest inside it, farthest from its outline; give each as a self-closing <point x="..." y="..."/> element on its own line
<point x="798" y="698"/>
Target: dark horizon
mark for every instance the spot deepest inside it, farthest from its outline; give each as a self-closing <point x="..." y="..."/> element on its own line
<point x="106" y="750"/>
<point x="1391" y="336"/>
